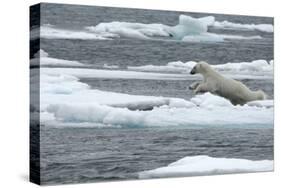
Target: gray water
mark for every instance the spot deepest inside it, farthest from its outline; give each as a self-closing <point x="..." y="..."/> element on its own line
<point x="83" y="155"/>
<point x="73" y="155"/>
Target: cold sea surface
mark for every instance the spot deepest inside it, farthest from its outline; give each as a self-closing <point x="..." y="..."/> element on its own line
<point x="79" y="154"/>
<point x="72" y="155"/>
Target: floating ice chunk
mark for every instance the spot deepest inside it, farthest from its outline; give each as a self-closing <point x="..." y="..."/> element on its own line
<point x="60" y="84"/>
<point x="50" y="32"/>
<point x="188" y="29"/>
<point x="191" y="26"/>
<point x="113" y="74"/>
<point x="261" y="68"/>
<point x="260" y="27"/>
<point x="200" y="25"/>
<point x="176" y="66"/>
<point x="110" y="66"/>
<point x="205" y="165"/>
<point x="131" y="30"/>
<point x="255" y="66"/>
<point x="238" y="37"/>
<point x="41" y="53"/>
<point x="42" y="58"/>
<point x="59" y="62"/>
<point x="211" y="37"/>
<point x="164" y="116"/>
<point x="187" y="26"/>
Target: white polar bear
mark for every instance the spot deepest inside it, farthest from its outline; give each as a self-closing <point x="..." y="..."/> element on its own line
<point x="228" y="88"/>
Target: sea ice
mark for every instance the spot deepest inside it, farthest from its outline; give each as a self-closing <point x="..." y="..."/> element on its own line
<point x="50" y="32"/>
<point x="260" y="27"/>
<point x="70" y="101"/>
<point x="188" y="29"/>
<point x="42" y="58"/>
<point x="256" y="68"/>
<point x="206" y="165"/>
<point x="64" y="100"/>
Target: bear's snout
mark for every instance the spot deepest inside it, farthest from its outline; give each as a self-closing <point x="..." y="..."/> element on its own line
<point x="193" y="71"/>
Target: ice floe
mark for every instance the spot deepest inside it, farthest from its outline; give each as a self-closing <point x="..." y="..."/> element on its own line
<point x="51" y="32"/>
<point x="106" y="66"/>
<point x="206" y="165"/>
<point x="163" y="116"/>
<point x="188" y="29"/>
<point x="261" y="68"/>
<point x="67" y="101"/>
<point x="114" y="74"/>
<point x="42" y="58"/>
<point x="260" y="27"/>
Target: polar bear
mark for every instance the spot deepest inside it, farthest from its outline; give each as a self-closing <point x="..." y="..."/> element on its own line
<point x="228" y="88"/>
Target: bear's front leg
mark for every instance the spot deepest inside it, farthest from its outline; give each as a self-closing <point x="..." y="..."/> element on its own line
<point x="202" y="88"/>
<point x="194" y="85"/>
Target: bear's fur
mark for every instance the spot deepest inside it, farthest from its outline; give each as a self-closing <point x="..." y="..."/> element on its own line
<point x="228" y="88"/>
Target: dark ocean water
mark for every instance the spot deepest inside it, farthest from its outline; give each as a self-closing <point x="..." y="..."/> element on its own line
<point x="81" y="155"/>
<point x="72" y="155"/>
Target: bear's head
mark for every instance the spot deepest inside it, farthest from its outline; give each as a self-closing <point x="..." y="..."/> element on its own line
<point x="200" y="67"/>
